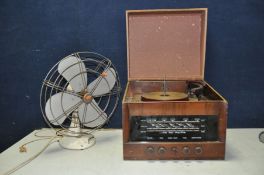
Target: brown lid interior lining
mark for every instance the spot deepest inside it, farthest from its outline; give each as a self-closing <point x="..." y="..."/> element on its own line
<point x="166" y="44"/>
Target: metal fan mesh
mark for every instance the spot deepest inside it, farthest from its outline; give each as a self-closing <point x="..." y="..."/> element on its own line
<point x="55" y="83"/>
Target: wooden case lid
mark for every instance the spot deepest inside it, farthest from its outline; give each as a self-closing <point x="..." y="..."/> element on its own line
<point x="166" y="43"/>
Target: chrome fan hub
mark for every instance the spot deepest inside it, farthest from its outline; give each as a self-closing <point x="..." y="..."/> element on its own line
<point x="87" y="98"/>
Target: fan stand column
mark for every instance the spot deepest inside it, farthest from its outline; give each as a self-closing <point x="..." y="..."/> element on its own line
<point x="72" y="139"/>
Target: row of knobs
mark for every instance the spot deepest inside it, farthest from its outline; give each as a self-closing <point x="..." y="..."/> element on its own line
<point x="185" y="150"/>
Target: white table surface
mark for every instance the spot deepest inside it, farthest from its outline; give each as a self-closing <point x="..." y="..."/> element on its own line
<point x="244" y="156"/>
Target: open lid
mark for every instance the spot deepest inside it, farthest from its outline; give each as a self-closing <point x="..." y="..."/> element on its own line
<point x="166" y="43"/>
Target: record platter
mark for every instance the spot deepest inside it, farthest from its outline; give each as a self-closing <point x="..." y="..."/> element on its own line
<point x="169" y="110"/>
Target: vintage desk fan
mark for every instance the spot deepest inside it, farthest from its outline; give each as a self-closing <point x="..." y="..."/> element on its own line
<point x="80" y="91"/>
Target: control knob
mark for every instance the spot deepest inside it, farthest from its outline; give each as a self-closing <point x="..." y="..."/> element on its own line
<point x="162" y="150"/>
<point x="198" y="150"/>
<point x="149" y="150"/>
<point x="186" y="150"/>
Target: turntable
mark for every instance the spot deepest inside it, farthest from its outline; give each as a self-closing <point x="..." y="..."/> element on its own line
<point x="169" y="111"/>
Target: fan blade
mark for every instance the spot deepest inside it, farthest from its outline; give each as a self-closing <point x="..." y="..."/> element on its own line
<point x="105" y="85"/>
<point x="73" y="70"/>
<point x="60" y="104"/>
<point x="91" y="115"/>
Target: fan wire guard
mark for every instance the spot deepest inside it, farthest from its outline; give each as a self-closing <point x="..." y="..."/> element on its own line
<point x="54" y="82"/>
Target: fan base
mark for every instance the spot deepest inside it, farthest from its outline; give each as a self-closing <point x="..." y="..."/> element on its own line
<point x="77" y="143"/>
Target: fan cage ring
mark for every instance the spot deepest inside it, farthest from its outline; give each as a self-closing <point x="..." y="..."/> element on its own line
<point x="87" y="58"/>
